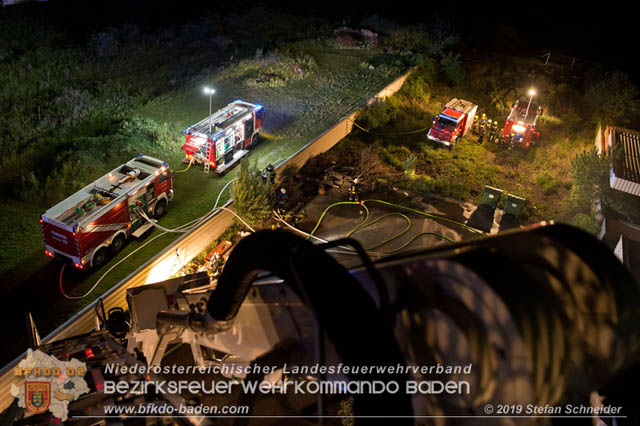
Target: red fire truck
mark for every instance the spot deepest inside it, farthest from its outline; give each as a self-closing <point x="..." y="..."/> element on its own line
<point x="102" y="215"/>
<point x="520" y="127"/>
<point x="453" y="122"/>
<point x="224" y="137"/>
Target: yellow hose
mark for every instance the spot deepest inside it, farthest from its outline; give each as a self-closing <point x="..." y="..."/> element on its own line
<point x="184" y="170"/>
<point x="266" y="135"/>
<point x="424" y="129"/>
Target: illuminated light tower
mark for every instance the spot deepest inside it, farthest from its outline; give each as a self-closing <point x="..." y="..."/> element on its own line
<point x="532" y="93"/>
<point x="209" y="91"/>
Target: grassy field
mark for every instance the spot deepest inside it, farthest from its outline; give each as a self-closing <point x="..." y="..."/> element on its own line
<point x="541" y="174"/>
<point x="295" y="114"/>
<point x="124" y="92"/>
<point x="72" y="108"/>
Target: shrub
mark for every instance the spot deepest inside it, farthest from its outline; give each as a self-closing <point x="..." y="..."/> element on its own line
<point x="103" y="43"/>
<point x="590" y="172"/>
<point x="420" y="82"/>
<point x="443" y="33"/>
<point x="410" y="165"/>
<point x="391" y="159"/>
<point x="414" y="39"/>
<point x="613" y="100"/>
<point x="277" y="71"/>
<point x="549" y="185"/>
<point x="251" y="196"/>
<point x="369" y="166"/>
<point x="289" y="172"/>
<point x="160" y="135"/>
<point x="452" y="69"/>
<point x="585" y="222"/>
<point x="378" y="113"/>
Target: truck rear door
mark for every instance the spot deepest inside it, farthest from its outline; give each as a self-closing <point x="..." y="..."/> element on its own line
<point x="60" y="239"/>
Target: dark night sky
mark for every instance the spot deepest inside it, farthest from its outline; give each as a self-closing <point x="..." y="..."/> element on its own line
<point x="606" y="35"/>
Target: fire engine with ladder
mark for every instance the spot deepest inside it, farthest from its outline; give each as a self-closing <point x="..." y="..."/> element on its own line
<point x="223" y="138"/>
<point x="520" y="128"/>
<point x="99" y="218"/>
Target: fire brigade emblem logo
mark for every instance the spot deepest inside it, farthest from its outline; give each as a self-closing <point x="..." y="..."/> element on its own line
<point x="49" y="384"/>
<point x="38" y="396"/>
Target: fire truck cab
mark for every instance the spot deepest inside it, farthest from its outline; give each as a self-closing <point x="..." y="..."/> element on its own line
<point x="520" y="127"/>
<point x="102" y="215"/>
<point x="453" y="122"/>
<point x="221" y="139"/>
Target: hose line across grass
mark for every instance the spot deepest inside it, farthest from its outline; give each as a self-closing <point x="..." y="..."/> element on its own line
<point x="182" y="228"/>
<point x="411" y="132"/>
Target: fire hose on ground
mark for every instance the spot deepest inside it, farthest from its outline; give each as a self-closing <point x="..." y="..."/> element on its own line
<point x="365" y="223"/>
<point x="183" y="228"/>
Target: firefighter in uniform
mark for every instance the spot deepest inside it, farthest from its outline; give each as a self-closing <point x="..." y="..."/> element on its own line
<point x="483" y="124"/>
<point x="353" y="190"/>
<point x="485" y="128"/>
<point x="493" y="133"/>
<point x="269" y="174"/>
<point x="282" y="198"/>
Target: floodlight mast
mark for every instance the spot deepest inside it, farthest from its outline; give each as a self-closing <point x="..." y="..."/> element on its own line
<point x="209" y="91"/>
<point x="532" y="93"/>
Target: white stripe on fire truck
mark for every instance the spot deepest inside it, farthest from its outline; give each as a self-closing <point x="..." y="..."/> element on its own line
<point x="105" y="228"/>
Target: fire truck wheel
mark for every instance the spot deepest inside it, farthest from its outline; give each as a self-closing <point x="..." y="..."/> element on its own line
<point x="117" y="244"/>
<point x="453" y="142"/>
<point x="161" y="209"/>
<point x="99" y="258"/>
<point x="255" y="140"/>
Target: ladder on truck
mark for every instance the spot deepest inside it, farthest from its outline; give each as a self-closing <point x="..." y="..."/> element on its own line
<point x="460" y="105"/>
<point x="207" y="154"/>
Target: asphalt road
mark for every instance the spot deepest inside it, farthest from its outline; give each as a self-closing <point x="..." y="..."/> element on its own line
<point x="37" y="293"/>
<point x="340" y="220"/>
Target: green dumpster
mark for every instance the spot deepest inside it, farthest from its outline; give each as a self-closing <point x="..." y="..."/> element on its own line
<point x="491" y="196"/>
<point x="513" y="205"/>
